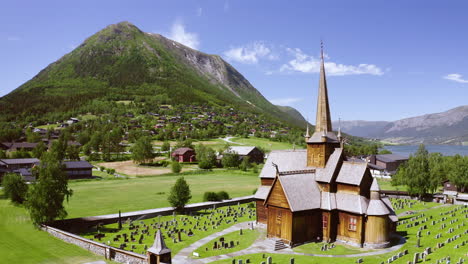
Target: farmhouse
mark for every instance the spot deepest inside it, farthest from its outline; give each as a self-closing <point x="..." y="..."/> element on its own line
<point x="78" y="169"/>
<point x="387" y="162"/>
<point x="184" y="155"/>
<point x="316" y="194"/>
<point x="254" y="154"/>
<point x="16" y="146"/>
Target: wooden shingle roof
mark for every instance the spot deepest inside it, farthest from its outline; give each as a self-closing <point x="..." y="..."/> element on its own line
<point x="352" y="173"/>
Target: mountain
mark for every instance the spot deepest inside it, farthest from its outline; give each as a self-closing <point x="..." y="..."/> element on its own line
<point x="449" y="127"/>
<point x="121" y="62"/>
<point x="293" y="113"/>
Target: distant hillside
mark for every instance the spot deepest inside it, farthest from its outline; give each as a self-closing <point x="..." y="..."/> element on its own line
<point x="291" y="111"/>
<point x="121" y="62"/>
<point x="449" y="127"/>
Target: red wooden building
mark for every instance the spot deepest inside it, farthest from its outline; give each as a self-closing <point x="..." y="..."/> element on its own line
<point x="184" y="155"/>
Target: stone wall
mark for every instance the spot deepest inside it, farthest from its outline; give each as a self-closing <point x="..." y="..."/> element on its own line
<point x="78" y="225"/>
<point x="97" y="248"/>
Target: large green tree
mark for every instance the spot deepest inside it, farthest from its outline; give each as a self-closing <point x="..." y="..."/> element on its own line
<point x="206" y="156"/>
<point x="458" y="172"/>
<point x="180" y="194"/>
<point x="46" y="196"/>
<point x="142" y="150"/>
<point x="416" y="174"/>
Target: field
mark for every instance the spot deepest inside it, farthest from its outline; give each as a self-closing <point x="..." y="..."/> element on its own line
<point x="216" y="144"/>
<point x="110" y="196"/>
<point x="264" y="143"/>
<point x="386" y="184"/>
<point x="131" y="169"/>
<point x="20" y="242"/>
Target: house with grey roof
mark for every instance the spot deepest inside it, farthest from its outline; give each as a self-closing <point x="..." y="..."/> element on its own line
<point x="316" y="194"/>
<point x="254" y="154"/>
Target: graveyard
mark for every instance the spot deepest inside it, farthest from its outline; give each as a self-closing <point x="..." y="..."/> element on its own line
<point x="427" y="233"/>
<point x="179" y="230"/>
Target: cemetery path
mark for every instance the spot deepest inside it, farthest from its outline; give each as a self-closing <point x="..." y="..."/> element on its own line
<point x="184" y="255"/>
<point x="261" y="245"/>
<point x="228" y="140"/>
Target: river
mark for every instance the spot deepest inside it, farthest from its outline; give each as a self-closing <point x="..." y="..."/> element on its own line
<point x="446" y="150"/>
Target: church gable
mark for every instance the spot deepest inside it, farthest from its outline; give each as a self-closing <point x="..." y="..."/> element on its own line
<point x="277" y="197"/>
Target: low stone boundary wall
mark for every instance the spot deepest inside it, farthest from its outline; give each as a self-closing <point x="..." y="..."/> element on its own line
<point x="78" y="225"/>
<point x="97" y="248"/>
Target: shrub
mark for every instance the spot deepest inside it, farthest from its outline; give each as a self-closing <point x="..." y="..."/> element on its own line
<point x="210" y="197"/>
<point x="223" y="195"/>
<point x="14" y="187"/>
<point x="254" y="167"/>
<point x="176" y="167"/>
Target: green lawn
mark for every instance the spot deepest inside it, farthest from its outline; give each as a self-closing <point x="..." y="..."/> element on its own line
<point x="185" y="222"/>
<point x="245" y="240"/>
<point x="20" y="242"/>
<point x="97" y="197"/>
<point x="386" y="184"/>
<point x="264" y="143"/>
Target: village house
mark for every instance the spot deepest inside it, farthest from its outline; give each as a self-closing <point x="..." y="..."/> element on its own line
<point x="254" y="154"/>
<point x="78" y="169"/>
<point x="16" y="146"/>
<point x="184" y="155"/>
<point x="387" y="162"/>
<point x="317" y="195"/>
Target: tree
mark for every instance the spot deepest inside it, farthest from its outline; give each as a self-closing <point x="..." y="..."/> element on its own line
<point x="230" y="160"/>
<point x="205" y="156"/>
<point x="180" y="194"/>
<point x="165" y="146"/>
<point x="39" y="150"/>
<point x="385" y="151"/>
<point x="142" y="150"/>
<point x="244" y="164"/>
<point x="254" y="167"/>
<point x="73" y="152"/>
<point x="416" y="173"/>
<point x="458" y="172"/>
<point x="45" y="197"/>
<point x="14" y="187"/>
<point x="176" y="167"/>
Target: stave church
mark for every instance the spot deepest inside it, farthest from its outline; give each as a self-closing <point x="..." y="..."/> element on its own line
<point x="317" y="195"/>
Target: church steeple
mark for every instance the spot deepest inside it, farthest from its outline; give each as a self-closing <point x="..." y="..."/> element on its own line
<point x="323" y="141"/>
<point x="323" y="118"/>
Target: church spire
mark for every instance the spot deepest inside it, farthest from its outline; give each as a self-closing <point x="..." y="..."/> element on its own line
<point x="323" y="119"/>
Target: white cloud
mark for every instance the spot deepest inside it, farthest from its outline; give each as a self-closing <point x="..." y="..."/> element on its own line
<point x="199" y="11"/>
<point x="250" y="53"/>
<point x="309" y="64"/>
<point x="13" y="38"/>
<point x="179" y="34"/>
<point x="456" y="78"/>
<point x="285" y="101"/>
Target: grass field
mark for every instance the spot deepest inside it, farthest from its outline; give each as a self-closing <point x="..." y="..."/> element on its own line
<point x="129" y="168"/>
<point x="264" y="143"/>
<point x="20" y="242"/>
<point x="314" y="248"/>
<point x="97" y="197"/>
<point x="386" y="184"/>
<point x="212" y="143"/>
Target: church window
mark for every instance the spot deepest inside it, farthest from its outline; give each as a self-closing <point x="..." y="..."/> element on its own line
<point x="352" y="223"/>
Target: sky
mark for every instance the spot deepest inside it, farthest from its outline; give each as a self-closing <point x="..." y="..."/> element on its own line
<point x="385" y="60"/>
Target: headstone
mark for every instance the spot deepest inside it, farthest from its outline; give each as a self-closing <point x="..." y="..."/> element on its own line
<point x="269" y="261"/>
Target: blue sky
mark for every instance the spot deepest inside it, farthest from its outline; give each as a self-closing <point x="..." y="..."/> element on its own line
<point x="386" y="60"/>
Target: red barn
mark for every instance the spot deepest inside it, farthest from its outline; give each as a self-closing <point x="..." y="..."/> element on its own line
<point x="184" y="155"/>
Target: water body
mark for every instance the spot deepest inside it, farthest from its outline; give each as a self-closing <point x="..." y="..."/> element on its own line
<point x="446" y="150"/>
